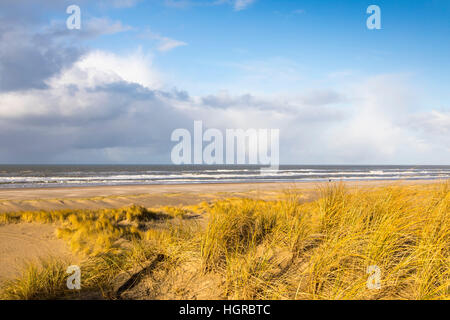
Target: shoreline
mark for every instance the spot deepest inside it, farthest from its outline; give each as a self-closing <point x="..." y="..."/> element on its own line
<point x="255" y="181"/>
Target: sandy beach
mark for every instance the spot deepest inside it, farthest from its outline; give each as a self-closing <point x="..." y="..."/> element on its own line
<point x="97" y="197"/>
<point x="30" y="241"/>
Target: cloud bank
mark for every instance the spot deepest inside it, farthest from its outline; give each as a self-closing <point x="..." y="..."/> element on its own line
<point x="112" y="108"/>
<point x="61" y="102"/>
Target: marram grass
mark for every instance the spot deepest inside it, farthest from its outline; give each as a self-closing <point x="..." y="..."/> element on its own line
<point x="42" y="280"/>
<point x="256" y="249"/>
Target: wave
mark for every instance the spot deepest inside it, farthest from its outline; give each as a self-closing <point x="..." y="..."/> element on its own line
<point x="57" y="176"/>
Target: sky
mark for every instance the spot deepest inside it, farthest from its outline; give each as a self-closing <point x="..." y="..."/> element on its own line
<point x="114" y="90"/>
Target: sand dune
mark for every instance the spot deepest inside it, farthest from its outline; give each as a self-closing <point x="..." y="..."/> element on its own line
<point x="24" y="242"/>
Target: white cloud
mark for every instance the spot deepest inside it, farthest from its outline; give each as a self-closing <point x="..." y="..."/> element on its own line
<point x="242" y="4"/>
<point x="167" y="44"/>
<point x="262" y="76"/>
<point x="164" y="43"/>
<point x="125" y="3"/>
<point x="100" y="67"/>
<point x="106" y="108"/>
<point x="378" y="128"/>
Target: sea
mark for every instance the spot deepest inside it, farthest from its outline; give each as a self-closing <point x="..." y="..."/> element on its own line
<point x="45" y="176"/>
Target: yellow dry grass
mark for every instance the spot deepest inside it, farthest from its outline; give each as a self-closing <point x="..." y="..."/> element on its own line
<point x="256" y="249"/>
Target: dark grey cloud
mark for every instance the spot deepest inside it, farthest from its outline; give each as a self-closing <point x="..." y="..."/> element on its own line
<point x="91" y="120"/>
<point x="28" y="55"/>
<point x="245" y="101"/>
<point x="33" y="49"/>
<point x="125" y="122"/>
<point x="27" y="60"/>
<point x="311" y="98"/>
<point x="30" y="12"/>
<point x="227" y="101"/>
<point x="322" y="97"/>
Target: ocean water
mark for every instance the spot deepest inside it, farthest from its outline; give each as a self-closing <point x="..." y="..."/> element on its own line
<point x="38" y="176"/>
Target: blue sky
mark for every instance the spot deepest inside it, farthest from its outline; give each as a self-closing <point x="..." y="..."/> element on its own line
<point x="341" y="93"/>
<point x="319" y="37"/>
